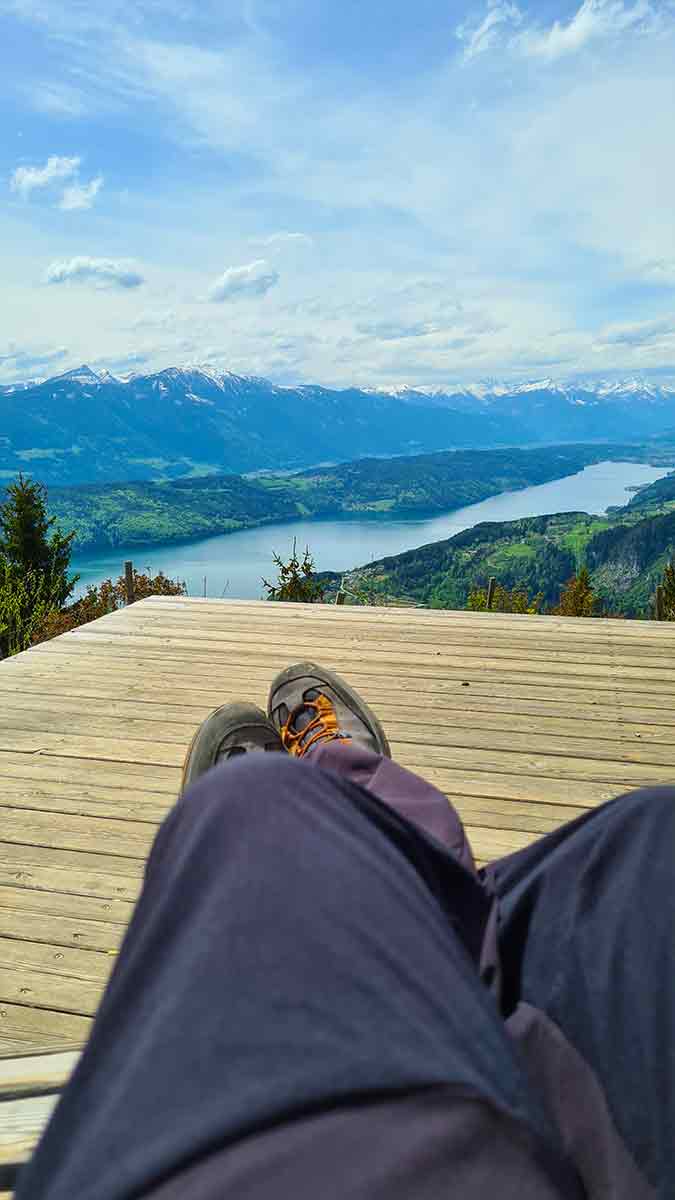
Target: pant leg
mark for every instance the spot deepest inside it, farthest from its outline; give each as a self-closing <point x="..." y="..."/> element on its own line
<point x="411" y="796"/>
<point x="299" y="954"/>
<point x="587" y="937"/>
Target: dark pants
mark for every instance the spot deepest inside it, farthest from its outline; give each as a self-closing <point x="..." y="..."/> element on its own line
<point x="319" y="997"/>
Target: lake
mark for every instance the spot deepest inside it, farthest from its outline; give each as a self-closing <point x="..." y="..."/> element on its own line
<point x="234" y="563"/>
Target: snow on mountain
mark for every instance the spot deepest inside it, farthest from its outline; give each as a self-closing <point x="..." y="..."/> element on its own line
<point x="83" y="374"/>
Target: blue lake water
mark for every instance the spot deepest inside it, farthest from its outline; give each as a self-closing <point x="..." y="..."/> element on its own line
<point x="233" y="564"/>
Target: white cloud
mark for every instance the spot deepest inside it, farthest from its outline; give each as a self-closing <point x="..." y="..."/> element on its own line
<point x="55" y="99"/>
<point x="27" y="357"/>
<point x="25" y="179"/>
<point x="278" y="239"/>
<point x="21" y="362"/>
<point x="595" y="20"/>
<point x="255" y="279"/>
<point x="156" y="319"/>
<point x="103" y="272"/>
<point x="658" y="271"/>
<point x="81" y="195"/>
<point x="638" y="333"/>
<point x="391" y="331"/>
<point x="479" y="37"/>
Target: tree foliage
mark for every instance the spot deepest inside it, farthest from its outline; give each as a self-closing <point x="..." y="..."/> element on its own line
<point x="578" y="598"/>
<point x="296" y="580"/>
<point x="514" y="600"/>
<point x="668" y="585"/>
<point x="28" y="542"/>
<point x="34" y="576"/>
<point x="26" y="600"/>
<point x="98" y="601"/>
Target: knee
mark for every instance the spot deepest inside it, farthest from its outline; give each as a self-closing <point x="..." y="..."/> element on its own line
<point x="247" y="785"/>
<point x="648" y="809"/>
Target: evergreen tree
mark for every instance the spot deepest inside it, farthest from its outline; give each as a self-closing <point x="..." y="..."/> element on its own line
<point x="296" y="579"/>
<point x="578" y="598"/>
<point x="668" y="585"/>
<point x="27" y="544"/>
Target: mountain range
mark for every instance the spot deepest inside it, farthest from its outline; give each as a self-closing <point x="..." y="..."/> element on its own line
<point x="86" y="426"/>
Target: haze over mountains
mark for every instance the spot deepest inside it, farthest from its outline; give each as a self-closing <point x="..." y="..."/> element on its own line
<point x="92" y="427"/>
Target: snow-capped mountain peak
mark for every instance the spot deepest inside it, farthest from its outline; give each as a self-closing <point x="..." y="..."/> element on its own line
<point x="83" y="374"/>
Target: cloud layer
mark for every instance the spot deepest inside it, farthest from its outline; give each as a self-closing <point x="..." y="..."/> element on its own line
<point x="488" y="186"/>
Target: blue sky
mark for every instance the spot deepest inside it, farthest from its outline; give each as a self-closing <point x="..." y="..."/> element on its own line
<point x="368" y="192"/>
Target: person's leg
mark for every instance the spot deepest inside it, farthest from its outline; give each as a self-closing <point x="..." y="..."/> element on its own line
<point x="408" y="794"/>
<point x="319" y="717"/>
<point x="587" y="937"/>
<point x="301" y="957"/>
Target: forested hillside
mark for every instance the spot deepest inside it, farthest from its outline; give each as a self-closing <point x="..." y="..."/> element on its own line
<point x="135" y="513"/>
<point x="625" y="552"/>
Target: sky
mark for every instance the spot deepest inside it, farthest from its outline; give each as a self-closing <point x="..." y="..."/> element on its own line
<point x="370" y="193"/>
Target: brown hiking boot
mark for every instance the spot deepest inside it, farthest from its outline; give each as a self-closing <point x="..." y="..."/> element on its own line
<point x="228" y="732"/>
<point x="310" y="705"/>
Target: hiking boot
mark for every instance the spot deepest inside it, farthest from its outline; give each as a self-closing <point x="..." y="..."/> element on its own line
<point x="228" y="732"/>
<point x="310" y="706"/>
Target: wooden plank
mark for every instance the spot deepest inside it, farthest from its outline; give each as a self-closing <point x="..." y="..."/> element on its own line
<point x="451" y="737"/>
<point x="193" y="667"/>
<point x="36" y="1073"/>
<point x="119" y="672"/>
<point x="544" y="766"/>
<point x="494" y="658"/>
<point x="490" y="844"/>
<point x="51" y="962"/>
<point x="65" y="904"/>
<point x="21" y="1125"/>
<point x="60" y="931"/>
<point x="357" y="613"/>
<point x="528" y="640"/>
<point x="561" y="736"/>
<point x="25" y="1030"/>
<point x="619" y="631"/>
<point x="70" y="872"/>
<point x="84" y="802"/>
<point x="469" y="781"/>
<point x="174" y="724"/>
<point x="153" y="779"/>
<point x="99" y="835"/>
<point x="110" y="749"/>
<point x="54" y="993"/>
<point x="556" y="763"/>
<point x="46" y="721"/>
<point x="496" y="813"/>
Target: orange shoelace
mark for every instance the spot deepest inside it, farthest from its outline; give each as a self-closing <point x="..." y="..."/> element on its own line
<point x="323" y="727"/>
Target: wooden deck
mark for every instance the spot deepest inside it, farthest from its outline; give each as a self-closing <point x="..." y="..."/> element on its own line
<point x="524" y="722"/>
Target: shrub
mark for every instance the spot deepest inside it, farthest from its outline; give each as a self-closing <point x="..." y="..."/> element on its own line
<point x="296" y="579"/>
<point x="503" y="600"/>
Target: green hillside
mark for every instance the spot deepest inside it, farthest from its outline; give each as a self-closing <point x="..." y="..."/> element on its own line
<point x="108" y="515"/>
<point x="625" y="553"/>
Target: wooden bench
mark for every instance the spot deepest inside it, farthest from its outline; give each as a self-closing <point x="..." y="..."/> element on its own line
<point x="29" y="1089"/>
